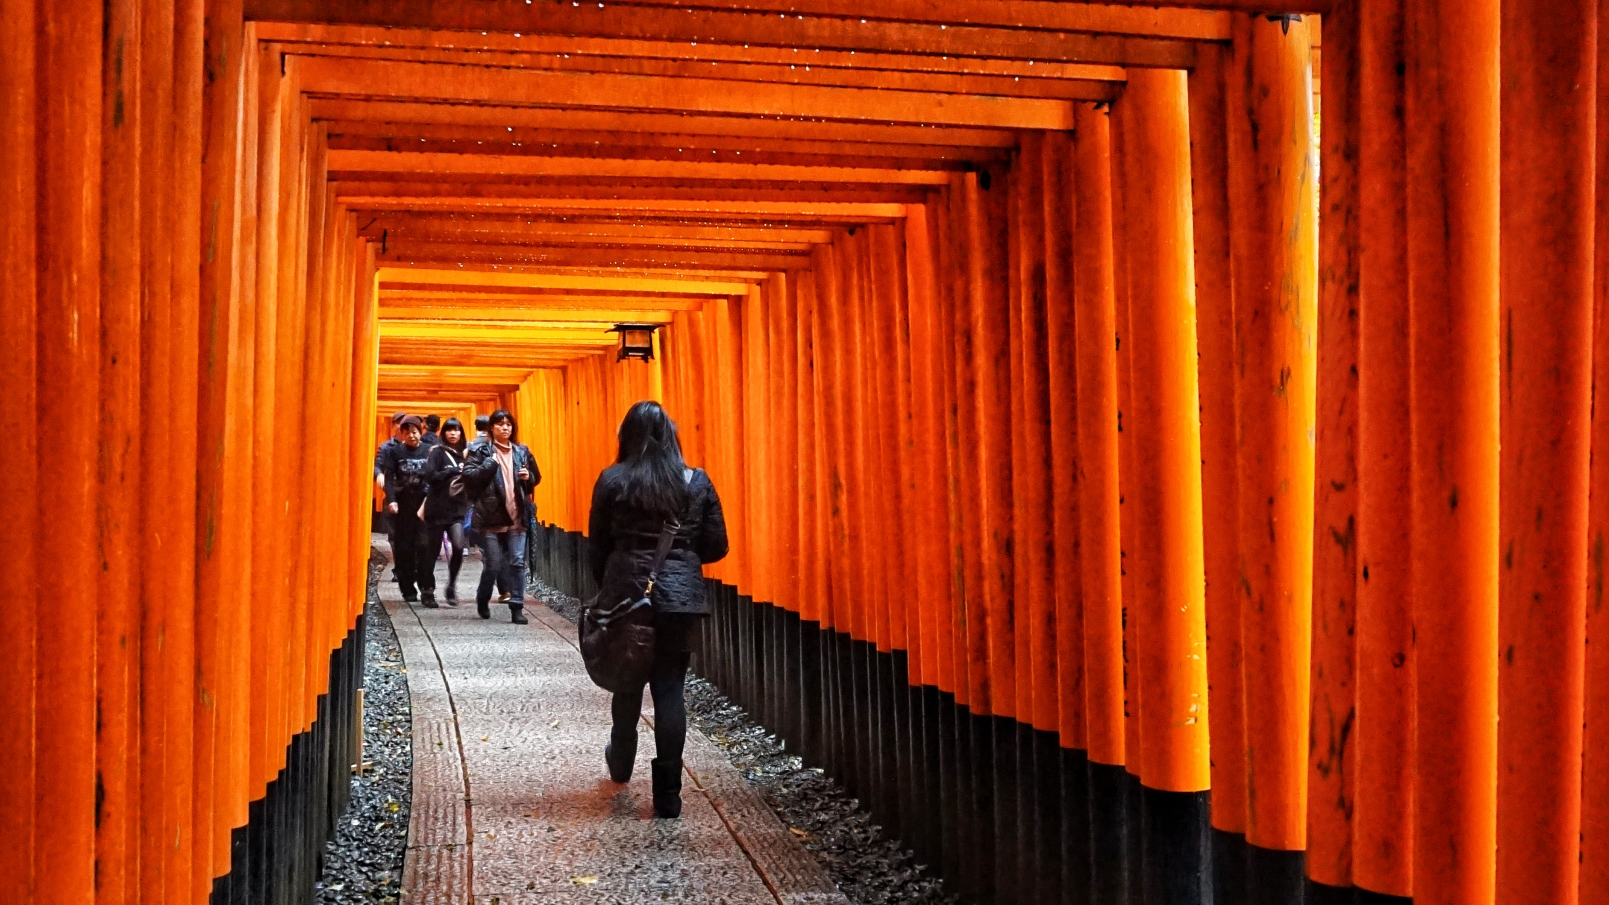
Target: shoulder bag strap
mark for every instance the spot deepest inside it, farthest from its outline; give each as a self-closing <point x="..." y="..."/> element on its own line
<point x="667" y="536"/>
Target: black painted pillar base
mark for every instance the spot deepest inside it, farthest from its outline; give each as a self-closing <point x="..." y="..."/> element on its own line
<point x="278" y="856"/>
<point x="1176" y="852"/>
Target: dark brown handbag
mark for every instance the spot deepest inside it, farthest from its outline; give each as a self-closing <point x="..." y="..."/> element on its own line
<point x="617" y="640"/>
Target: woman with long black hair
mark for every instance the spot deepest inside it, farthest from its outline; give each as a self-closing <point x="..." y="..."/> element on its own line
<point x="448" y="501"/>
<point x="648" y="491"/>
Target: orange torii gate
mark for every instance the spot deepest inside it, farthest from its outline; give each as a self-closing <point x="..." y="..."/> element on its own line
<point x="1138" y="492"/>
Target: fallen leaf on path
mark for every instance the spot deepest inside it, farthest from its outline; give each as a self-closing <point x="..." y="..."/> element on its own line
<point x="583" y="881"/>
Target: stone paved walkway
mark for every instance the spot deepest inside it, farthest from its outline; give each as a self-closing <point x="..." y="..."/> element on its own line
<point x="511" y="802"/>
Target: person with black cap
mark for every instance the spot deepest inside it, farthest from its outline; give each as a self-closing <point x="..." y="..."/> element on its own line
<point x="405" y="485"/>
<point x="380" y="454"/>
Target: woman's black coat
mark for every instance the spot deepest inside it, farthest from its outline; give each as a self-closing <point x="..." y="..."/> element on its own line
<point x="441" y="466"/>
<point x="623" y="540"/>
<point x="485" y="483"/>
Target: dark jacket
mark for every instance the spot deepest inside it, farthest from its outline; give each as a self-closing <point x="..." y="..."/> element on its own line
<point x="405" y="481"/>
<point x="485" y="483"/>
<point x="622" y="542"/>
<point x="441" y="466"/>
<point x="380" y="454"/>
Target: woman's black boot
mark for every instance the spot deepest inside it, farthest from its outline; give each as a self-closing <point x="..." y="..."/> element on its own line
<point x="483" y="609"/>
<point x="621" y="756"/>
<point x="667" y="787"/>
<point x="517" y="614"/>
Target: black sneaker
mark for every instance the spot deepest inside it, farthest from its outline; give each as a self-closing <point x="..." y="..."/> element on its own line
<point x="483" y="610"/>
<point x="429" y="600"/>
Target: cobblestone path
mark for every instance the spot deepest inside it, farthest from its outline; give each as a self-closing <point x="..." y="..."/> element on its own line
<point x="511" y="802"/>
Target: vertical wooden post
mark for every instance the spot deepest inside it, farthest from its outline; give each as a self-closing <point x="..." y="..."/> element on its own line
<point x="987" y="258"/>
<point x="1383" y="808"/>
<point x="931" y="470"/>
<point x="1333" y="710"/>
<point x="1066" y="461"/>
<point x="19" y="373"/>
<point x="1452" y="219"/>
<point x="1033" y="474"/>
<point x="179" y="652"/>
<point x="1100" y="544"/>
<point x="1220" y="477"/>
<point x="69" y="394"/>
<point x="1549" y="107"/>
<point x="117" y="522"/>
<point x="1273" y="238"/>
<point x="1594" y="883"/>
<point x="1167" y="453"/>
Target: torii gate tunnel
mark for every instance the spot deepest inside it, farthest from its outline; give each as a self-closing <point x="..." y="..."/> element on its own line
<point x="1158" y="443"/>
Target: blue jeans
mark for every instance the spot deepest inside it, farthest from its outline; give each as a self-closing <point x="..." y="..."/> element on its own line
<point x="504" y="565"/>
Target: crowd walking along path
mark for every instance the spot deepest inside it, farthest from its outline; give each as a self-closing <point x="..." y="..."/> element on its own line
<point x="511" y="801"/>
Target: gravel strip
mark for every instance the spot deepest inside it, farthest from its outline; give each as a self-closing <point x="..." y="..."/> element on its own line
<point x="869" y="867"/>
<point x="363" y="864"/>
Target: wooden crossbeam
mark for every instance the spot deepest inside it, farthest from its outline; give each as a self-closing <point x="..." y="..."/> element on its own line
<point x="684" y="286"/>
<point x="844" y="33"/>
<point x="434" y="226"/>
<point x="826" y="211"/>
<point x="442" y="82"/>
<point x="509" y="116"/>
<point x="1040" y="84"/>
<point x="565" y="256"/>
<point x="579" y="142"/>
<point x="507" y="165"/>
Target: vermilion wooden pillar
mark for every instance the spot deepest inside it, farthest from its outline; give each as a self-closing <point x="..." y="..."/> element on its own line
<point x="1273" y="245"/>
<point x="117" y="516"/>
<point x="1452" y="227"/>
<point x="69" y="394"/>
<point x="1384" y="737"/>
<point x="1333" y="713"/>
<point x="179" y="652"/>
<point x="1594" y="884"/>
<point x="1167" y="452"/>
<point x="1548" y="145"/>
<point x="1064" y="572"/>
<point x="930" y="499"/>
<point x="19" y="374"/>
<point x="1220" y="476"/>
<point x="1100" y="549"/>
<point x="157" y="762"/>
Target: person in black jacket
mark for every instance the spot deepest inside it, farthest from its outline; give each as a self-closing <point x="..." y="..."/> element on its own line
<point x="405" y="483"/>
<point x="380" y="454"/>
<point x="432" y="434"/>
<point x="444" y="508"/>
<point x="648" y="490"/>
<point x="500" y="474"/>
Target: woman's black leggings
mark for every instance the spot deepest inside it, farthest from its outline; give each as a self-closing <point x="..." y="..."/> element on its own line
<point x="455" y="540"/>
<point x="666" y="682"/>
<point x="675" y="636"/>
